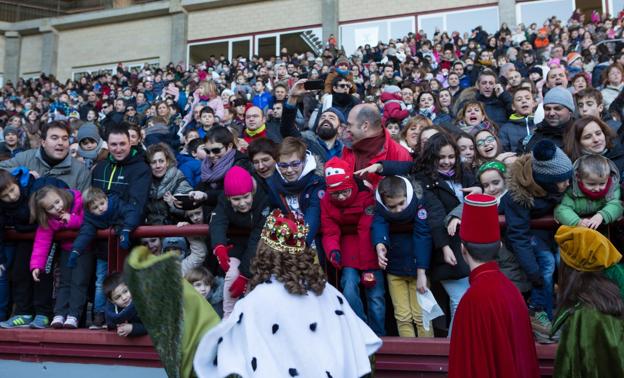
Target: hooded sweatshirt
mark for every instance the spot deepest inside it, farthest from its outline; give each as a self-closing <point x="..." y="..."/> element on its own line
<point x="302" y="196"/>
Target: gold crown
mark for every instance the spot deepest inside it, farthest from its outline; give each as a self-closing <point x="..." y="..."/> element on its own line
<point x="285" y="234"/>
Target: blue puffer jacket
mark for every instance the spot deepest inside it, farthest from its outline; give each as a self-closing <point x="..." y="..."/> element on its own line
<point x="520" y="204"/>
<point x="406" y="251"/>
<point x="309" y="190"/>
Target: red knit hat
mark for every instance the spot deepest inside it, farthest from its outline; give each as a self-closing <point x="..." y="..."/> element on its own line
<point x="479" y="223"/>
<point x="338" y="175"/>
<point x="237" y="182"/>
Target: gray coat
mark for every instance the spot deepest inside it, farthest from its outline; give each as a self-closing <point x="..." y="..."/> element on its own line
<point x="73" y="172"/>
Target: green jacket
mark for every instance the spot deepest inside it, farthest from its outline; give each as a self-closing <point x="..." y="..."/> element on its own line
<point x="575" y="205"/>
<point x="591" y="345"/>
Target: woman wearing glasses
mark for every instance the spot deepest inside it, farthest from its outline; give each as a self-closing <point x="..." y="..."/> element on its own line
<point x="221" y="155"/>
<point x="295" y="186"/>
<point x="489" y="148"/>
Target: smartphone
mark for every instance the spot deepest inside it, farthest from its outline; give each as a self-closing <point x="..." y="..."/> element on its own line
<point x="187" y="201"/>
<point x="314" y="85"/>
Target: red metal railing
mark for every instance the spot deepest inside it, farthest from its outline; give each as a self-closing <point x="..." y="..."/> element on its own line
<point x="398" y="357"/>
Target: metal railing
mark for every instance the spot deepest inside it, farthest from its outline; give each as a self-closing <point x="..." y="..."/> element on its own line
<point x="117" y="256"/>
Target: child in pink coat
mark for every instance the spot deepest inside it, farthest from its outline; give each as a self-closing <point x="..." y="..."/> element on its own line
<point x="55" y="210"/>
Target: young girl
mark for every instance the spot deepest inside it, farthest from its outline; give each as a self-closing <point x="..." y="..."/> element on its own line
<point x="55" y="210"/>
<point x="428" y="105"/>
<point x="466" y="145"/>
<point x="28" y="298"/>
<point x="594" y="197"/>
<point x="487" y="145"/>
<point x="472" y="118"/>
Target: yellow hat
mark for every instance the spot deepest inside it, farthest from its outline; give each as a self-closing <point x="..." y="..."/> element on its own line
<point x="585" y="249"/>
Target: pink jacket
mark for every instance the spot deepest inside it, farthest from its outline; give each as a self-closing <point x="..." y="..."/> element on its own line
<point x="45" y="236"/>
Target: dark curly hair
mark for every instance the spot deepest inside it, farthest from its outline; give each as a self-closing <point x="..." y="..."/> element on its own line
<point x="298" y="272"/>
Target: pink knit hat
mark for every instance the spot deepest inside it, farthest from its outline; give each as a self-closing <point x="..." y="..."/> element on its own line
<point x="237" y="182"/>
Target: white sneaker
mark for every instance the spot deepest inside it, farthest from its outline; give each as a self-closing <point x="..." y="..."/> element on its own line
<point x="71" y="322"/>
<point x="57" y="322"/>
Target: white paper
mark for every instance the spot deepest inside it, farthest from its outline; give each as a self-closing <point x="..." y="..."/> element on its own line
<point x="430" y="308"/>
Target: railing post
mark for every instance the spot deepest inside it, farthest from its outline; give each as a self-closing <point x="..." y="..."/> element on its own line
<point x="112" y="255"/>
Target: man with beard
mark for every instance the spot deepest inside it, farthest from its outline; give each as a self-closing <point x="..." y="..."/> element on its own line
<point x="324" y="142"/>
<point x="558" y="117"/>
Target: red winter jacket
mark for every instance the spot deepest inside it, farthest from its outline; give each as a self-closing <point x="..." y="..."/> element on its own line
<point x="390" y="151"/>
<point x="392" y="109"/>
<point x="356" y="249"/>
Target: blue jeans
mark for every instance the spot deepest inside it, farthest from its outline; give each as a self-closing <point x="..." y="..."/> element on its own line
<point x="455" y="290"/>
<point x="5" y="290"/>
<point x="375" y="296"/>
<point x="99" y="302"/>
<point x="542" y="298"/>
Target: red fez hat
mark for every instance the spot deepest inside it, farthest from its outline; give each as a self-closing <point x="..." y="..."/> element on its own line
<point x="479" y="223"/>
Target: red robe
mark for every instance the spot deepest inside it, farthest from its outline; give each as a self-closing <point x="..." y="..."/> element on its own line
<point x="492" y="335"/>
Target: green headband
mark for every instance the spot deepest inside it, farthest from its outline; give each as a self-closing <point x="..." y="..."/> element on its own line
<point x="495" y="164"/>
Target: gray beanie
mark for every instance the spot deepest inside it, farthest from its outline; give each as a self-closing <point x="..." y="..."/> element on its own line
<point x="89" y="130"/>
<point x="550" y="164"/>
<point x="561" y="96"/>
<point x="10" y="130"/>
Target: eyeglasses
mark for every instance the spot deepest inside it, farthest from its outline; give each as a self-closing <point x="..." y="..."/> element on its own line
<point x="488" y="140"/>
<point x="344" y="86"/>
<point x="214" y="151"/>
<point x="293" y="164"/>
<point x="341" y="194"/>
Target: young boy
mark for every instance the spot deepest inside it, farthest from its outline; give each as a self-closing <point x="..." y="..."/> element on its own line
<point x="241" y="206"/>
<point x="520" y="125"/>
<point x="589" y="103"/>
<point x="209" y="286"/>
<point x="594" y="196"/>
<point x="10" y="146"/>
<point x="404" y="256"/>
<point x="349" y="203"/>
<point x="206" y="121"/>
<point x="120" y="312"/>
<point x="190" y="164"/>
<point x="102" y="212"/>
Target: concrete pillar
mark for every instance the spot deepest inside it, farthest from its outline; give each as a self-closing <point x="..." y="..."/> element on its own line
<point x="329" y="17"/>
<point x="12" y="53"/>
<point x="507" y="12"/>
<point x="179" y="32"/>
<point x="49" y="56"/>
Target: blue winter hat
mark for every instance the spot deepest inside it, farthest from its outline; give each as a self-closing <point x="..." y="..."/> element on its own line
<point x="175" y="242"/>
<point x="550" y="164"/>
<point x="338" y="113"/>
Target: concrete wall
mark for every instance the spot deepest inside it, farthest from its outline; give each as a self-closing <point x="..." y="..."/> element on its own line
<point x="260" y="16"/>
<point x="112" y="43"/>
<point x="1" y="53"/>
<point x="359" y="9"/>
<point x="30" y="61"/>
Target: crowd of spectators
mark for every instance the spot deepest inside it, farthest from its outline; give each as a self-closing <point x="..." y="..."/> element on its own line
<point x="361" y="146"/>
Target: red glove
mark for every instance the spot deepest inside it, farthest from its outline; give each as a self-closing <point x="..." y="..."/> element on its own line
<point x="368" y="280"/>
<point x="221" y="252"/>
<point x="239" y="286"/>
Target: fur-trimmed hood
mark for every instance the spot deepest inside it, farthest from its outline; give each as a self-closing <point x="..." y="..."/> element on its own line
<point x="520" y="183"/>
